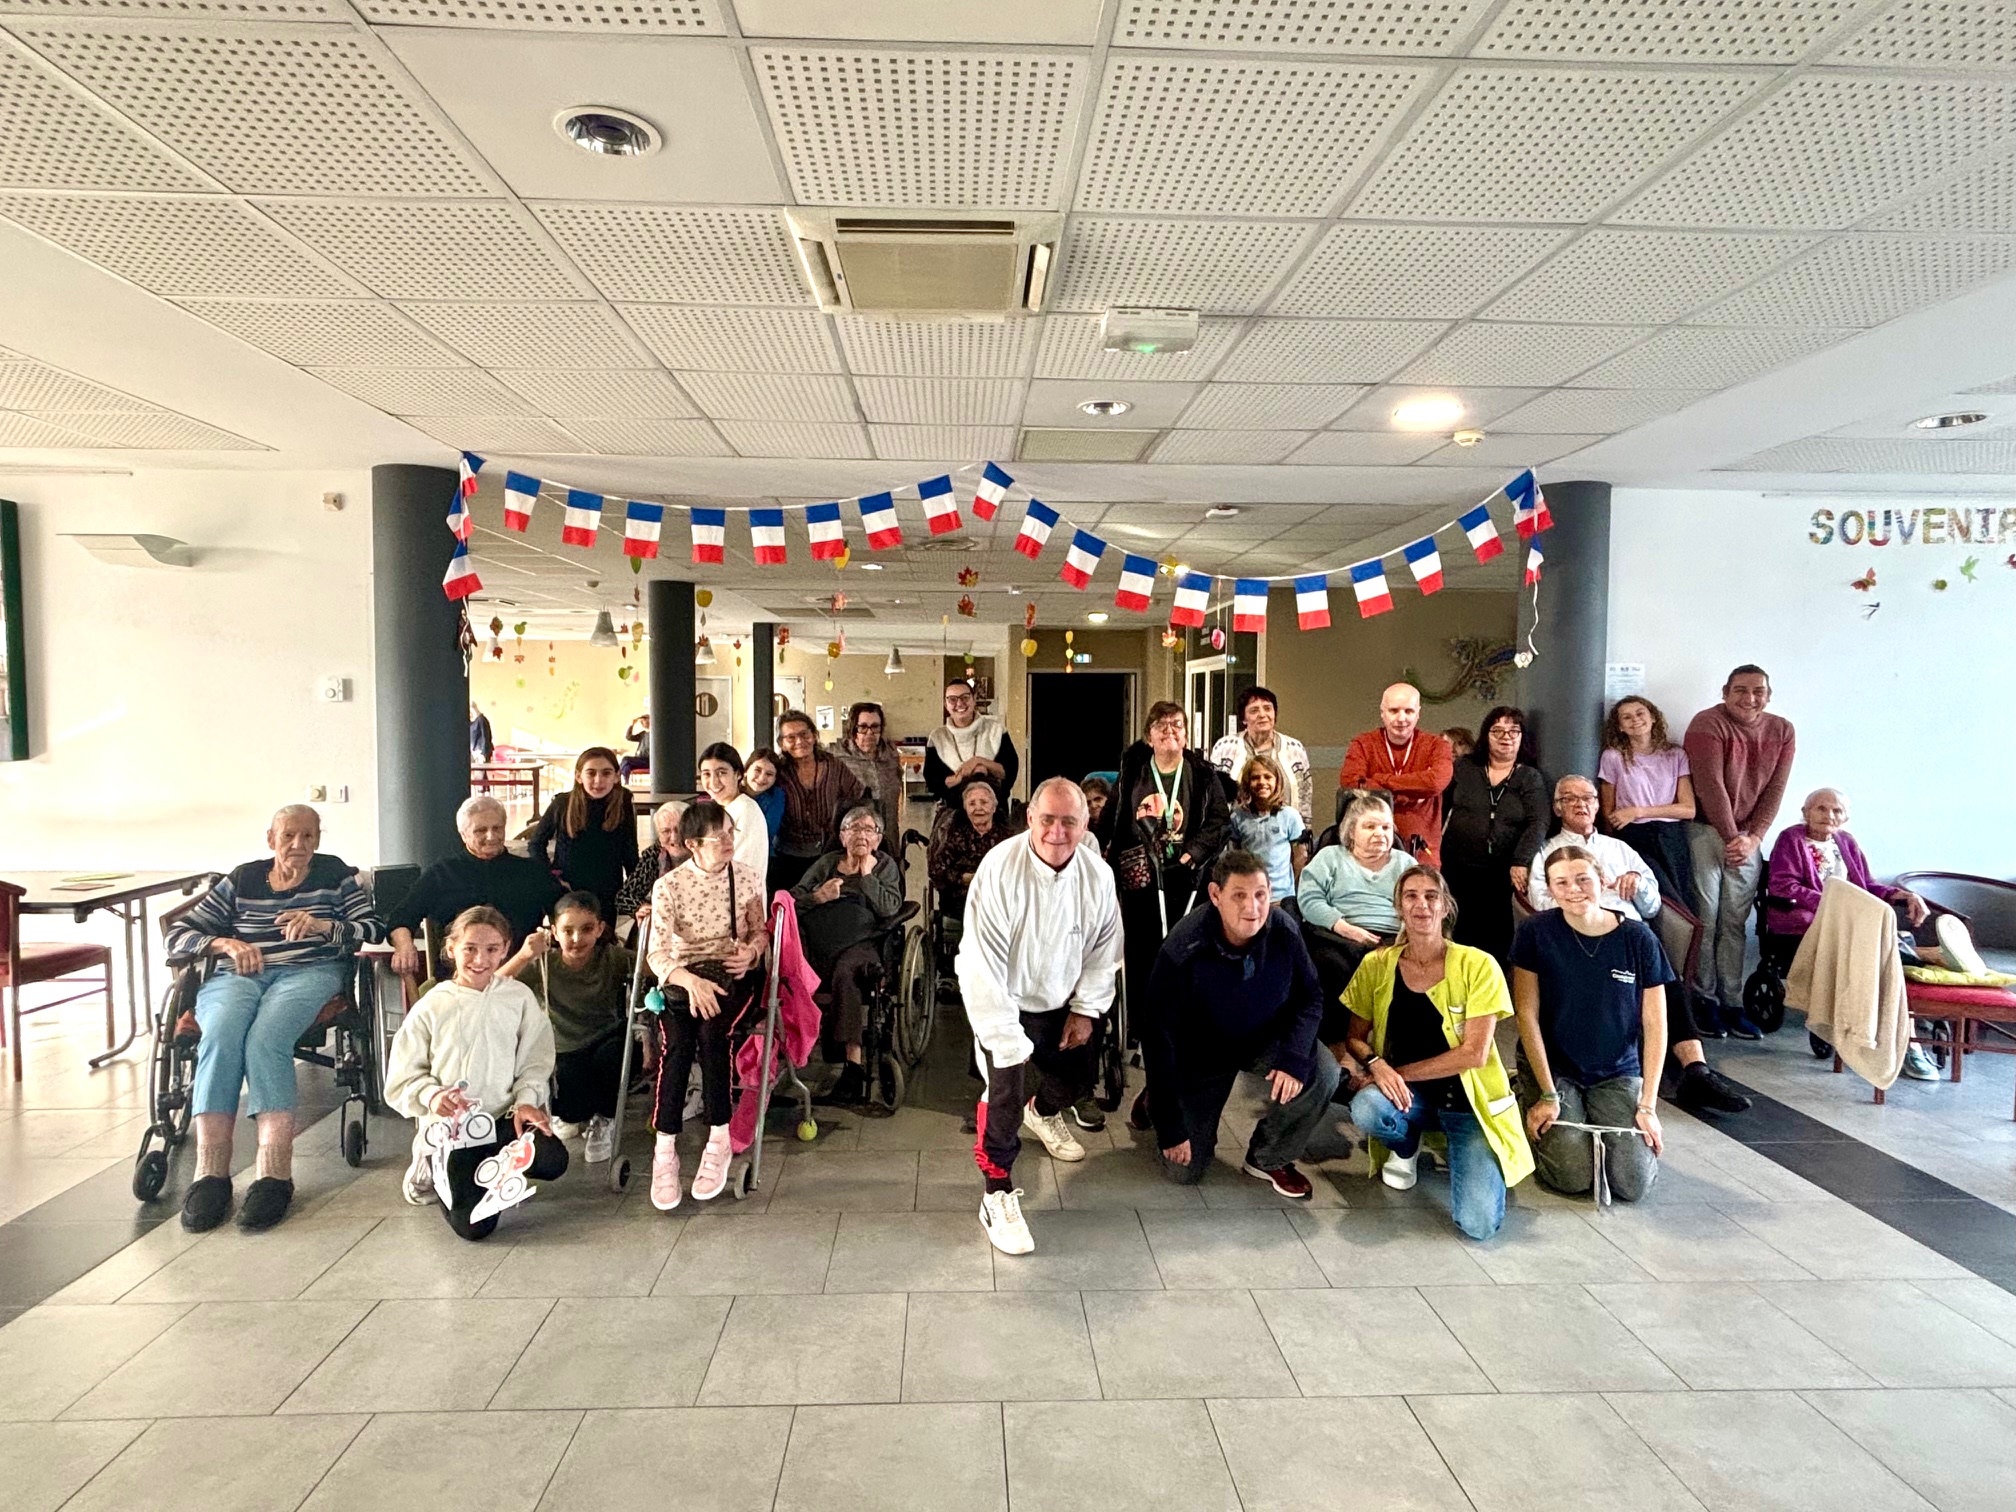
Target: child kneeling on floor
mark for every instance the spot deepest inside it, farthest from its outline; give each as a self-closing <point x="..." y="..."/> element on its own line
<point x="478" y="1040"/>
<point x="585" y="988"/>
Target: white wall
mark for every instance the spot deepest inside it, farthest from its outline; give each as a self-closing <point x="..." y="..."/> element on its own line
<point x="173" y="710"/>
<point x="1910" y="709"/>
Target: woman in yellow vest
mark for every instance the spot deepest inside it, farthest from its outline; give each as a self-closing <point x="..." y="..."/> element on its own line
<point x="1423" y="1012"/>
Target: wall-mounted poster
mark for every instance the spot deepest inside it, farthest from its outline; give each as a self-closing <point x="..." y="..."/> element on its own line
<point x="13" y="661"/>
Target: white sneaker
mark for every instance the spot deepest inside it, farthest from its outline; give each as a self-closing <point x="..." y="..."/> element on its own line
<point x="600" y="1142"/>
<point x="417" y="1185"/>
<point x="565" y="1130"/>
<point x="1056" y="1137"/>
<point x="1918" y="1065"/>
<point x="1007" y="1229"/>
<point x="1957" y="945"/>
<point x="1398" y="1172"/>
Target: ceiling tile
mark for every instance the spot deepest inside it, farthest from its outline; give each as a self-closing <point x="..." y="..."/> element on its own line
<point x="1045" y="444"/>
<point x="1508" y="451"/>
<point x="1988" y="455"/>
<point x="1480" y="405"/>
<point x="940" y="401"/>
<point x="1376" y="27"/>
<point x="1055" y="401"/>
<point x="228" y="10"/>
<point x="179" y="245"/>
<point x="1512" y="354"/>
<point x="426" y="391"/>
<point x="327" y="333"/>
<point x="688" y="18"/>
<point x="1230" y="446"/>
<point x="937" y="348"/>
<point x="1543" y="143"/>
<point x="1219" y="267"/>
<point x="1328" y="351"/>
<point x="610" y="394"/>
<point x="1706" y="357"/>
<point x="1569" y="411"/>
<point x="1367" y="448"/>
<point x="680" y="256"/>
<point x="25" y="430"/>
<point x="1663" y="31"/>
<point x="1252" y="406"/>
<point x="411" y="249"/>
<point x="770" y="396"/>
<point x="1866" y="280"/>
<point x="53" y="136"/>
<point x="735" y="341"/>
<point x="28" y="385"/>
<point x="635" y="437"/>
<point x="500" y="433"/>
<point x="1071" y="349"/>
<point x="1641" y="275"/>
<point x="1410" y="272"/>
<point x="155" y="430"/>
<point x="500" y="335"/>
<point x="1982" y="199"/>
<point x="1062" y="22"/>
<point x="953" y="445"/>
<point x="782" y="439"/>
<point x="1936" y="34"/>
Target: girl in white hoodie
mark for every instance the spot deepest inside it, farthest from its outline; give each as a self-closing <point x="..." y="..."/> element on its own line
<point x="480" y="1040"/>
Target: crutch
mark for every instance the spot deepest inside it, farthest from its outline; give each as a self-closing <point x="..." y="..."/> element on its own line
<point x="633" y="1025"/>
<point x="1596" y="1132"/>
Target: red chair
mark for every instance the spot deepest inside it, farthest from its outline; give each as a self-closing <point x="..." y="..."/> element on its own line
<point x="30" y="965"/>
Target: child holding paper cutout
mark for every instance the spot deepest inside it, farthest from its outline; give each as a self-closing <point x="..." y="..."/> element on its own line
<point x="477" y="1042"/>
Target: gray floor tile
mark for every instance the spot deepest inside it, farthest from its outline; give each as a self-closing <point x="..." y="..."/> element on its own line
<point x="1956" y="1448"/>
<point x="987" y="1347"/>
<point x="645" y="1461"/>
<point x="1692" y="1242"/>
<point x="1547" y="1338"/>
<point x="1215" y="1250"/>
<point x="914" y="1128"/>
<point x="618" y="1256"/>
<point x="50" y="1356"/>
<point x="1895" y="1332"/>
<point x="1283" y="1455"/>
<point x="231" y="1265"/>
<point x="1121" y="1179"/>
<point x="1762" y="1449"/>
<point x="473" y="1343"/>
<point x="1839" y="1243"/>
<point x="849" y="1181"/>
<point x="947" y="1457"/>
<point x="448" y="1462"/>
<point x="617" y="1352"/>
<point x="1593" y="1461"/>
<point x="824" y="1349"/>
<point x="1064" y="1456"/>
<point x="1226" y="1185"/>
<point x="42" y="1464"/>
<point x="755" y="1255"/>
<point x="1184" y="1344"/>
<point x="1717" y="1337"/>
<point x="128" y="1267"/>
<point x="246" y="1464"/>
<point x="910" y="1252"/>
<point x="412" y="1254"/>
<point x="1979" y="1301"/>
<point x="1094" y="1249"/>
<point x="1550" y="1246"/>
<point x="1391" y="1248"/>
<point x="1367" y="1341"/>
<point x="949" y="1182"/>
<point x="224" y="1359"/>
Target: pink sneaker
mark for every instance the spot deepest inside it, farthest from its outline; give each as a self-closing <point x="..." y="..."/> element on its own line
<point x="665" y="1175"/>
<point x="712" y="1176"/>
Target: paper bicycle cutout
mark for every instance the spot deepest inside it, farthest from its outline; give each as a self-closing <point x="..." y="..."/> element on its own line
<point x="501" y="1175"/>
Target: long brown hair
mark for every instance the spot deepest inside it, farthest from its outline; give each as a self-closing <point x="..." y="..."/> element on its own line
<point x="1613" y="732"/>
<point x="1250" y="800"/>
<point x="621" y="808"/>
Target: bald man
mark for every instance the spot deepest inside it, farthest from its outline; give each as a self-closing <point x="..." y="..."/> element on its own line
<point x="1411" y="763"/>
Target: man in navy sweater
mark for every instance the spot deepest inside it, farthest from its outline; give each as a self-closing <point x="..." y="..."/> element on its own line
<point x="1235" y="990"/>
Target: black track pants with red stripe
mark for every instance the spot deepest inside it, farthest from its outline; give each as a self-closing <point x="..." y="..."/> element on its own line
<point x="1061" y="1077"/>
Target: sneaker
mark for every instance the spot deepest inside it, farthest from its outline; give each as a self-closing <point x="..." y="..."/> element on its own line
<point x="1398" y="1172"/>
<point x="600" y="1141"/>
<point x="1286" y="1180"/>
<point x="565" y="1130"/>
<point x="1057" y="1139"/>
<point x="1918" y="1065"/>
<point x="1958" y="946"/>
<point x="712" y="1178"/>
<point x="1007" y="1229"/>
<point x="417" y="1185"/>
<point x="1741" y="1028"/>
<point x="207" y="1203"/>
<point x="1703" y="1089"/>
<point x="266" y="1202"/>
<point x="665" y="1192"/>
<point x="1087" y="1114"/>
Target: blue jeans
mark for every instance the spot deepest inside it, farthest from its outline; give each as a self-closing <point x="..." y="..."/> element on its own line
<point x="1476" y="1184"/>
<point x="250" y="1024"/>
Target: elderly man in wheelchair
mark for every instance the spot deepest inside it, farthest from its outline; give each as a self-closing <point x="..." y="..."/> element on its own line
<point x="850" y="906"/>
<point x="276" y="942"/>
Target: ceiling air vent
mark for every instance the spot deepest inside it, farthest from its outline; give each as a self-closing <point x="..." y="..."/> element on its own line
<point x="976" y="267"/>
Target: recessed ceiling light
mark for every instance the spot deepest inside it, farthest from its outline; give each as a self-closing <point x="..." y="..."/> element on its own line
<point x="607" y="131"/>
<point x="1949" y="422"/>
<point x="1428" y="414"/>
<point x="1098" y="616"/>
<point x="1221" y="511"/>
<point x="1106" y="409"/>
<point x="871" y="566"/>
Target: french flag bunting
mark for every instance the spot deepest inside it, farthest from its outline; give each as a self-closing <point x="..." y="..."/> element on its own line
<point x="584" y="518"/>
<point x="1082" y="560"/>
<point x="829" y="537"/>
<point x="1249" y="605"/>
<point x="459" y="519"/>
<point x="461" y="580"/>
<point x="1425" y="562"/>
<point x="878" y="518"/>
<point x="1037" y="523"/>
<point x="520" y="494"/>
<point x="710" y="534"/>
<point x="1137" y="583"/>
<point x="1529" y="506"/>
<point x="987" y="497"/>
<point x="1368" y="581"/>
<point x="766" y="534"/>
<point x="1482" y="533"/>
<point x="1533" y="559"/>
<point x="1193" y="597"/>
<point x="941" y="509"/>
<point x="641" y="524"/>
<point x="1312" y="602"/>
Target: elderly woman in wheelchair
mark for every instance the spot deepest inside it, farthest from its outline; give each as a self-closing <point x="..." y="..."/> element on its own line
<point x="848" y="902"/>
<point x="277" y="940"/>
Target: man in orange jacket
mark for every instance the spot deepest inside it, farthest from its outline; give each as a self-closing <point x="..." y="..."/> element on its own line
<point x="1412" y="764"/>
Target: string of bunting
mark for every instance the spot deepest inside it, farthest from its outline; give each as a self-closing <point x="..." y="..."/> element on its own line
<point x="643" y="525"/>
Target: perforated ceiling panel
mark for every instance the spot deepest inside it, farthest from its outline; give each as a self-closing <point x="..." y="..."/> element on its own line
<point x="268" y="108"/>
<point x="1366" y="449"/>
<point x="1593" y="410"/>
<point x="1827" y="151"/>
<point x="1866" y="280"/>
<point x="1937" y="34"/>
<point x="610" y="393"/>
<point x="1257" y="406"/>
<point x="954" y="445"/>
<point x="1508" y="451"/>
<point x="532" y="335"/>
<point x="26" y="430"/>
<point x="771" y="396"/>
<point x="154" y="430"/>
<point x="1298" y="26"/>
<point x="179" y="246"/>
<point x="51" y="137"/>
<point x="1663" y="31"/>
<point x="1222" y="268"/>
<point x="1642" y="275"/>
<point x="735" y="341"/>
<point x="1999" y="386"/>
<point x="1328" y="351"/>
<point x="1182" y="135"/>
<point x="776" y="438"/>
<point x="1519" y="354"/>
<point x="1251" y="447"/>
<point x="876" y="126"/>
<point x="415" y="250"/>
<point x="1983" y="199"/>
<point x="679" y="255"/>
<point x="426" y="391"/>
<point x="37" y="386"/>
<point x="937" y="348"/>
<point x="239" y="10"/>
<point x="649" y="438"/>
<point x="1844" y="454"/>
<point x="496" y="433"/>
<point x="1542" y="143"/>
<point x="1410" y="272"/>
<point x="1706" y="357"/>
<point x="940" y="401"/>
<point x="1480" y="405"/>
<point x="1070" y="349"/>
<point x="690" y="18"/>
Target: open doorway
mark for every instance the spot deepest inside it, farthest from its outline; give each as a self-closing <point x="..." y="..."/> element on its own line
<point x="1079" y="722"/>
<point x="1205" y="688"/>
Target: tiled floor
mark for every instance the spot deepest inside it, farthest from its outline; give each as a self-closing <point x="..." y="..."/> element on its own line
<point x="847" y="1339"/>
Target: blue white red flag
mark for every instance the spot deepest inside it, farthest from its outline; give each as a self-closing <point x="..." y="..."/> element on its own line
<point x="829" y="537"/>
<point x="878" y="518"/>
<point x="1193" y="597"/>
<point x="1249" y="605"/>
<point x="1533" y="559"/>
<point x="461" y="580"/>
<point x="1368" y="581"/>
<point x="641" y="525"/>
<point x="1529" y="506"/>
<point x="987" y="497"/>
<point x="710" y="534"/>
<point x="1037" y="524"/>
<point x="584" y="518"/>
<point x="520" y="494"/>
<point x="1482" y="533"/>
<point x="1082" y="560"/>
<point x="1312" y="602"/>
<point x="941" y="509"/>
<point x="1137" y="583"/>
<point x="1425" y="562"/>
<point x="459" y="519"/>
<point x="766" y="535"/>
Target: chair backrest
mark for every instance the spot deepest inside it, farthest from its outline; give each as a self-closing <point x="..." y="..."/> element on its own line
<point x="1988" y="905"/>
<point x="390" y="885"/>
<point x="10" y="922"/>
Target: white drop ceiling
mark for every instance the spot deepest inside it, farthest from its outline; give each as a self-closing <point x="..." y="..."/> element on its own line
<point x="1710" y="243"/>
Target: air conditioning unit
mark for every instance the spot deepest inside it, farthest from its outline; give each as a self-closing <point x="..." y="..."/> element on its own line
<point x="951" y="266"/>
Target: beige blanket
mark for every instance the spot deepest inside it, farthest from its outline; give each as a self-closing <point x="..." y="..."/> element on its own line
<point x="1849" y="979"/>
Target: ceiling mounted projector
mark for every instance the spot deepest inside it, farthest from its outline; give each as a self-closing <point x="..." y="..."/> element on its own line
<point x="1146" y="332"/>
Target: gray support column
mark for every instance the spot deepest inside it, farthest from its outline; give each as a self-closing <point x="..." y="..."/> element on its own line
<point x="762" y="684"/>
<point x="420" y="683"/>
<point x="1563" y="689"/>
<point x="668" y="617"/>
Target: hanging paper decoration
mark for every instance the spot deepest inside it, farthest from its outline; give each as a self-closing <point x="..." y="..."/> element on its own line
<point x="1482" y="533"/>
<point x="840" y="562"/>
<point x="1137" y="582"/>
<point x="461" y="580"/>
<point x="878" y="518"/>
<point x="987" y="497"/>
<point x="1193" y="593"/>
<point x="710" y="535"/>
<point x="1037" y="524"/>
<point x="766" y="535"/>
<point x="968" y="576"/>
<point x="1368" y="581"/>
<point x="1529" y="506"/>
<point x="829" y="537"/>
<point x="1425" y="562"/>
<point x="1249" y="605"/>
<point x="584" y="518"/>
<point x="1171" y="640"/>
<point x="1533" y="559"/>
<point x="941" y="509"/>
<point x="641" y="524"/>
<point x="967" y="606"/>
<point x="1312" y="602"/>
<point x="1082" y="560"/>
<point x="520" y="494"/>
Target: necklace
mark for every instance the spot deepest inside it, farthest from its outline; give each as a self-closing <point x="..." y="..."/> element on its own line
<point x="1591" y="951"/>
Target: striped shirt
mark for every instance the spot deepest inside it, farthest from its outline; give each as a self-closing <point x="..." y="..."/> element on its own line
<point x="244" y="906"/>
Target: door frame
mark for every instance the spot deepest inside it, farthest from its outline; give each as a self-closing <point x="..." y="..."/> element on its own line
<point x="1129" y="713"/>
<point x="1202" y="666"/>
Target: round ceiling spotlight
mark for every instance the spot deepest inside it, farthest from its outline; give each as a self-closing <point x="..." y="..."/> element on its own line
<point x="1106" y="409"/>
<point x="1434" y="413"/>
<point x="1949" y="422"/>
<point x="607" y="131"/>
<point x="1098" y="616"/>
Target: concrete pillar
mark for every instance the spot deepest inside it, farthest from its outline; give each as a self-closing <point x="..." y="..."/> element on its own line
<point x="762" y="684"/>
<point x="420" y="684"/>
<point x="668" y="618"/>
<point x="1563" y="689"/>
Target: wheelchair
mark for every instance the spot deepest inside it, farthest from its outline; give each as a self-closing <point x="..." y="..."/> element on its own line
<point x="890" y="1045"/>
<point x="1764" y="992"/>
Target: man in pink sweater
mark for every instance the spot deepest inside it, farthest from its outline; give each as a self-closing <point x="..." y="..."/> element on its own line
<point x="1741" y="759"/>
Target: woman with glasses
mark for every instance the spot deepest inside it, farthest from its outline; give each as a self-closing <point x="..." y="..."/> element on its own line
<point x="845" y="900"/>
<point x="969" y="745"/>
<point x="867" y="751"/>
<point x="1494" y="816"/>
<point x="817" y="791"/>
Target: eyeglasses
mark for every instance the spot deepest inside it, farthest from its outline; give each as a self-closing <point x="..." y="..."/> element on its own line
<point x="1578" y="799"/>
<point x="860" y="829"/>
<point x="867" y="728"/>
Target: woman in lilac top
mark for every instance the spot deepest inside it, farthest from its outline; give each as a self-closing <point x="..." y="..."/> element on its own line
<point x="1646" y="793"/>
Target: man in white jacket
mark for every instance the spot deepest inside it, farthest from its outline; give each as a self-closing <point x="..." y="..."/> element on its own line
<point x="1629" y="886"/>
<point x="1037" y="964"/>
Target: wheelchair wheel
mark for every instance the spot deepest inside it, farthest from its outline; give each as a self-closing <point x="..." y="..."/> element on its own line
<point x="355" y="1143"/>
<point x="918" y="1008"/>
<point x="150" y="1175"/>
<point x="885" y="1086"/>
<point x="1764" y="1000"/>
<point x="1112" y="1090"/>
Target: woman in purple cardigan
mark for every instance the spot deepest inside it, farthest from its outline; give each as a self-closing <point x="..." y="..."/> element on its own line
<point x="1807" y="854"/>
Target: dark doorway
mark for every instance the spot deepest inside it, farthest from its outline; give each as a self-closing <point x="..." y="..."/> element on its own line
<point x="1079" y="722"/>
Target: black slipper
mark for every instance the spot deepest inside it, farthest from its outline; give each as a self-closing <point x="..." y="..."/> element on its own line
<point x="265" y="1203"/>
<point x="207" y="1204"/>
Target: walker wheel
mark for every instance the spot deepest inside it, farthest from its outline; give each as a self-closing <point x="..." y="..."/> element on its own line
<point x="150" y="1175"/>
<point x="619" y="1174"/>
<point x="739" y="1184"/>
<point x="808" y="1130"/>
<point x="355" y="1143"/>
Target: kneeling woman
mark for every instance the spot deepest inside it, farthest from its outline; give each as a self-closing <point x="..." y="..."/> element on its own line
<point x="1590" y="988"/>
<point x="1423" y="1012"/>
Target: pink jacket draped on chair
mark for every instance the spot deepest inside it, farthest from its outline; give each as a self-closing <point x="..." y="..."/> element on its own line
<point x="797" y="1016"/>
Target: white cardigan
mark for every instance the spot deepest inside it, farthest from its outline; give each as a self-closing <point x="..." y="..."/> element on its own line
<point x="498" y="1042"/>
